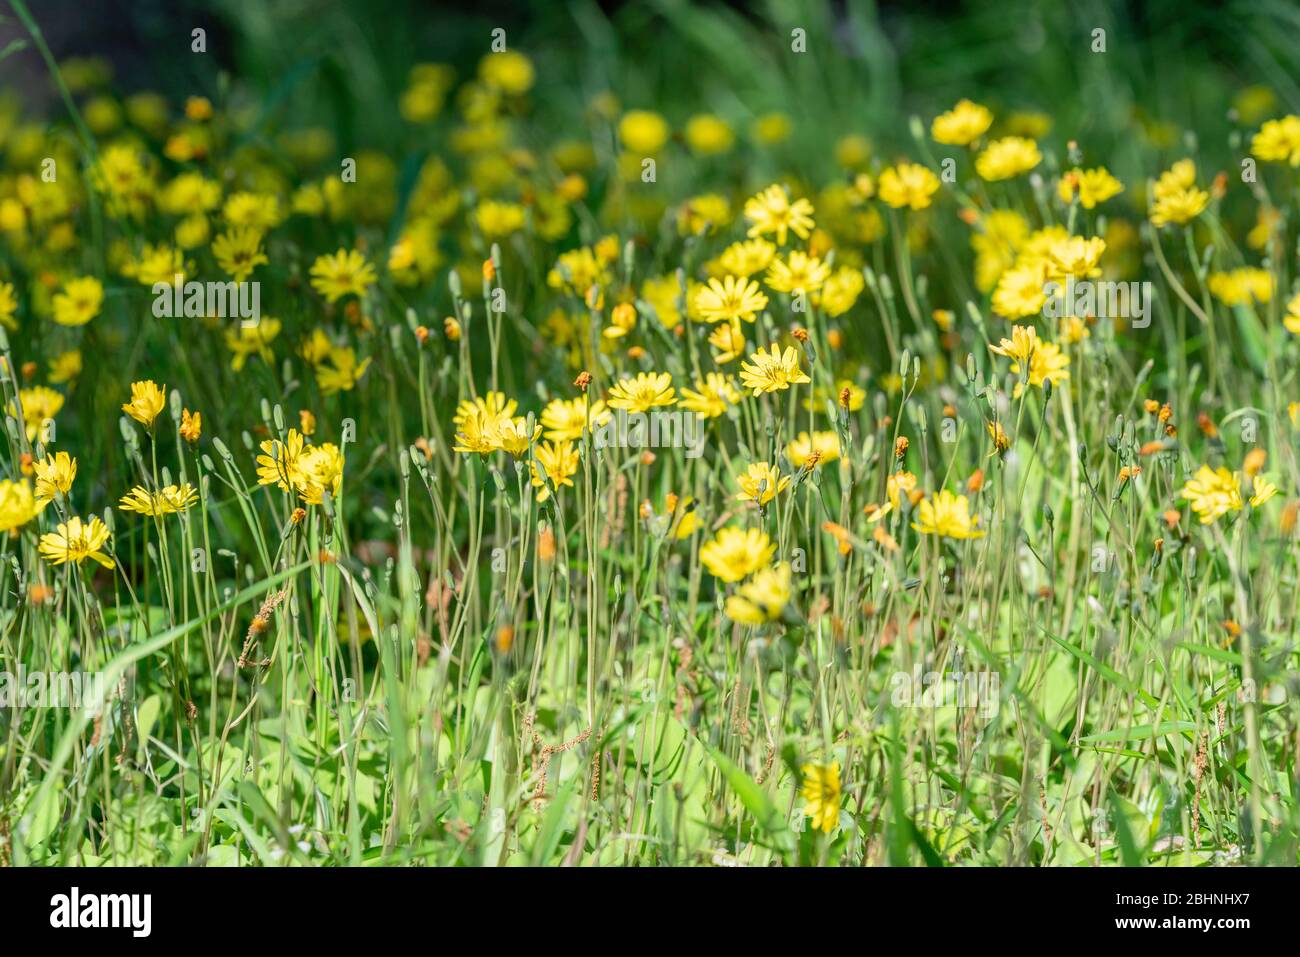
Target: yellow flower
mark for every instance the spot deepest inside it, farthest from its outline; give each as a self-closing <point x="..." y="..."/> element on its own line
<point x="54" y="476"/>
<point x="39" y="405"/>
<point x="1278" y="141"/>
<point x="239" y="251"/>
<point x="746" y="258"/>
<point x="252" y="340"/>
<point x="1212" y="493"/>
<point x="1076" y="258"/>
<point x="1020" y="291"/>
<point x="729" y="340"/>
<point x="948" y="515"/>
<point x="259" y="210"/>
<point x="771" y="128"/>
<point x="1093" y="186"/>
<point x="75" y="541"/>
<point x="708" y="135"/>
<point x="647" y="391"/>
<point x="514" y="438"/>
<point x="569" y="418"/>
<point x="962" y="125"/>
<point x="1263" y="491"/>
<point x="321" y="471"/>
<point x="79" y="302"/>
<point x="509" y="71"/>
<point x="156" y="264"/>
<point x="559" y="461"/>
<point x="66" y="366"/>
<point x="1021" y="345"/>
<point x="771" y="211"/>
<point x="733" y="298"/>
<point x="821" y="789"/>
<point x="711" y="397"/>
<point x="643" y="132"/>
<point x="760" y="483"/>
<point x="8" y="306"/>
<point x="813" y="451"/>
<point x="1240" y="287"/>
<point x="18" y="505"/>
<point x="799" y="272"/>
<point x="772" y="372"/>
<point x="908" y="184"/>
<point x="763" y="598"/>
<point x="191" y="426"/>
<point x="147" y="400"/>
<point x="841" y="291"/>
<point x="166" y="501"/>
<point x="734" y="553"/>
<point x="280" y="463"/>
<point x="1292" y="318"/>
<point x="345" y="272"/>
<point x="1007" y="157"/>
<point x="341" y="371"/>
<point x="1179" y="206"/>
<point x="499" y="220"/>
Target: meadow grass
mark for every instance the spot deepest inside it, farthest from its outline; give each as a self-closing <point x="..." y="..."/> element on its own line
<point x="1018" y="601"/>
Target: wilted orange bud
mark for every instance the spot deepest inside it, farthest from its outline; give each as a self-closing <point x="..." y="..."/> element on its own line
<point x="546" y="545"/>
<point x="834" y="338"/>
<point x="423" y="445"/>
<point x="1166" y="412"/>
<point x="1172" y="517"/>
<point x="1129" y="472"/>
<point x="1231" y="627"/>
<point x="800" y="333"/>
<point x="326" y="557"/>
<point x="307" y="421"/>
<point x="1254" y="462"/>
<point x="841" y="536"/>
<point x="1287" y="522"/>
<point x="814" y="457"/>
<point x="1159" y="544"/>
<point x="635" y="352"/>
<point x="647" y="510"/>
<point x="39" y="594"/>
<point x="28" y="369"/>
<point x="489" y="270"/>
<point x="670" y="502"/>
<point x="1206" y="425"/>
<point x="583" y="380"/>
<point x="1220" y="186"/>
<point x="647" y="457"/>
<point x="1151" y="448"/>
<point x="950" y="412"/>
<point x="191" y="426"/>
<point x="451" y="328"/>
<point x="975" y="482"/>
<point x="915" y="496"/>
<point x="1152" y="406"/>
<point x="969" y="216"/>
<point x="298" y="515"/>
<point x="25" y="463"/>
<point x="846" y="396"/>
<point x="422" y="334"/>
<point x="505" y="636"/>
<point x="900" y="446"/>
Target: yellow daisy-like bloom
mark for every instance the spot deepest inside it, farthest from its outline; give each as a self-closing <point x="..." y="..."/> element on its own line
<point x="1292" y="318"/>
<point x="773" y="371"/>
<point x="514" y="438"/>
<point x="908" y="185"/>
<point x="735" y="552"/>
<point x="79" y="302"/>
<point x="1076" y="258"/>
<point x="259" y="210"/>
<point x="66" y="366"/>
<point x="75" y="541"/>
<point x="1020" y="292"/>
<point x="962" y="125"/>
<point x="1212" y="493"/>
<point x="1278" y="141"/>
<point x="729" y="340"/>
<point x="492" y="408"/>
<point x="947" y="515"/>
<point x="710" y="398"/>
<point x="239" y="251"/>
<point x="509" y="71"/>
<point x="1047" y="364"/>
<point x="343" y="273"/>
<point x="798" y="272"/>
<point x="1240" y="287"/>
<point x="643" y="132"/>
<point x="499" y="220"/>
<point x="40" y="404"/>
<point x="841" y="291"/>
<point x="1263" y="491"/>
<point x="280" y="463"/>
<point x="8" y="306"/>
<point x="1092" y="186"/>
<point x="341" y="371"/>
<point x="647" y="391"/>
<point x="821" y="789"/>
<point x="763" y="598"/>
<point x="147" y="400"/>
<point x="569" y="418"/>
<point x="54" y="476"/>
<point x="166" y="501"/>
<point x="1021" y="345"/>
<point x="747" y="258"/>
<point x="157" y="264"/>
<point x="1179" y="207"/>
<point x="245" y="341"/>
<point x="559" y="461"/>
<point x="622" y="321"/>
<point x="322" y="471"/>
<point x="772" y="212"/>
<point x="1008" y="157"/>
<point x="708" y="135"/>
<point x="761" y="482"/>
<point x="191" y="426"/>
<point x="815" y="450"/>
<point x="735" y="297"/>
<point x="18" y="505"/>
